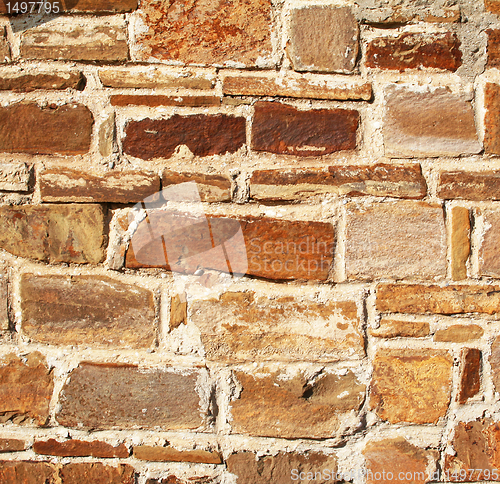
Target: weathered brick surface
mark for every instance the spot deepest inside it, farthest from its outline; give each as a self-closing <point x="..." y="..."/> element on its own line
<point x="415" y="51"/>
<point x="489" y="256"/>
<point x="495" y="362"/>
<point x="491" y="119"/>
<point x="493" y="48"/>
<point x="459" y="333"/>
<point x="464" y="185"/>
<point x="412" y="387"/>
<point x="290" y="407"/>
<point x="460" y="242"/>
<point x="204" y="135"/>
<point x="68" y="185"/>
<point x="27" y="472"/>
<point x="25" y="389"/>
<point x="470" y="379"/>
<point x="4" y="46"/>
<point x="428" y="124"/>
<point x="108" y="396"/>
<point x="420" y="299"/>
<point x="207" y="32"/>
<point x="383" y="180"/>
<point x="64" y="130"/>
<point x="88" y="6"/>
<point x="283" y="129"/>
<point x="242" y="326"/>
<point x="18" y="81"/>
<point x="155" y="100"/>
<point x="54" y="233"/>
<point x="211" y="188"/>
<point x="391" y="328"/>
<point x="97" y="472"/>
<point x="315" y="46"/>
<point x="397" y="240"/>
<point x="169" y="454"/>
<point x="80" y="448"/>
<point x="12" y="445"/>
<point x="14" y="177"/>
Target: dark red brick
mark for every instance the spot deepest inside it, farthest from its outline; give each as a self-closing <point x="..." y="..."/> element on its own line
<point x="470" y="380"/>
<point x="97" y="473"/>
<point x="493" y="48"/>
<point x="27" y="472"/>
<point x="463" y="185"/>
<point x="18" y="81"/>
<point x="492" y="119"/>
<point x="80" y="448"/>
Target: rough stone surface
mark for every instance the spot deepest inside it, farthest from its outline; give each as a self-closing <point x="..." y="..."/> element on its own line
<point x="493" y="48"/>
<point x="493" y="6"/>
<point x="14" y="177"/>
<point x="489" y="256"/>
<point x="479" y="185"/>
<point x="283" y="129"/>
<point x="107" y="133"/>
<point x="18" y="81"/>
<point x="90" y="6"/>
<point x="207" y="32"/>
<point x="391" y="328"/>
<point x="428" y="124"/>
<point x="460" y="242"/>
<point x="68" y="185"/>
<point x="87" y="310"/>
<point x="211" y="188"/>
<point x="12" y="445"/>
<point x="495" y="362"/>
<point x="80" y="448"/>
<point x="108" y="396"/>
<point x="27" y="472"/>
<point x="171" y="479"/>
<point x="153" y="100"/>
<point x="317" y="44"/>
<point x="275" y="405"/>
<point x="470" y="379"/>
<point x="415" y="51"/>
<point x="492" y="119"/>
<point x="64" y="130"/>
<point x="420" y="299"/>
<point x="178" y="311"/>
<point x="4" y="301"/>
<point x="241" y="326"/>
<point x="396" y="240"/>
<point x="4" y="46"/>
<point x="383" y="180"/>
<point x="96" y="472"/>
<point x="54" y="233"/>
<point x="204" y="135"/>
<point x="411" y="387"/>
<point x="169" y="454"/>
<point x="25" y="389"/>
<point x="459" y="333"/>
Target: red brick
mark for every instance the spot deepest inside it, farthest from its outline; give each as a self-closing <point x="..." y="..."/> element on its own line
<point x="97" y="473"/>
<point x="283" y="129"/>
<point x="110" y="396"/>
<point x="90" y="6"/>
<point x="204" y="135"/>
<point x="12" y="445"/>
<point x="18" y="81"/>
<point x="27" y="472"/>
<point x="169" y="454"/>
<point x="493" y="48"/>
<point x="415" y="51"/>
<point x="155" y="100"/>
<point x="211" y="188"/>
<point x="489" y="257"/>
<point x="492" y="119"/>
<point x="64" y="130"/>
<point x="466" y="185"/>
<point x="80" y="448"/>
<point x="470" y="379"/>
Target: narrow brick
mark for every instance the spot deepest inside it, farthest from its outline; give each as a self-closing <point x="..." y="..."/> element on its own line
<point x="54" y="233"/>
<point x="107" y="133"/>
<point x="383" y="180"/>
<point x="123" y="397"/>
<point x="392" y="328"/>
<point x="4" y="45"/>
<point x="420" y="299"/>
<point x="460" y="242"/>
<point x="204" y="135"/>
<point x="495" y="363"/>
<point x="241" y="327"/>
<point x="67" y="38"/>
<point x="26" y="386"/>
<point x="465" y="185"/>
<point x="315" y="46"/>
<point x="19" y="81"/>
<point x="93" y="310"/>
<point x="428" y="124"/>
<point x="97" y="472"/>
<point x="493" y="48"/>
<point x="80" y="448"/>
<point x="211" y="188"/>
<point x="391" y="12"/>
<point x="68" y="185"/>
<point x="4" y="300"/>
<point x="169" y="454"/>
<point x="470" y="378"/>
<point x="15" y="177"/>
<point x="397" y="240"/>
<point x="282" y="129"/>
<point x="155" y="100"/>
<point x="275" y="405"/>
<point x="459" y="333"/>
<point x="491" y="119"/>
<point x="89" y="6"/>
<point x="489" y="257"/>
<point x="411" y="385"/>
<point x="12" y="445"/>
<point x="27" y="472"/>
<point x="415" y="51"/>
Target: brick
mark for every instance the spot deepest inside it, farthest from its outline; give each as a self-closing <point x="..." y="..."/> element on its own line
<point x="489" y="258"/>
<point x="204" y="135"/>
<point x="4" y="46"/>
<point x="411" y="386"/>
<point x="241" y="326"/>
<point x="207" y="32"/>
<point x="69" y="38"/>
<point x="90" y="6"/>
<point x="211" y="188"/>
<point x="155" y="100"/>
<point x="278" y="469"/>
<point x="15" y="177"/>
<point x="459" y="333"/>
<point x="415" y="51"/>
<point x="54" y="233"/>
<point x="107" y="133"/>
<point x="383" y="180"/>
<point x="460" y="242"/>
<point x="491" y="119"/>
<point x="12" y="445"/>
<point x="391" y="328"/>
<point x="257" y="246"/>
<point x="80" y="448"/>
<point x="93" y="310"/>
<point x="19" y="81"/>
<point x="282" y="129"/>
<point x="26" y="386"/>
<point x="315" y="46"/>
<point x="97" y="472"/>
<point x="454" y="299"/>
<point x="470" y="379"/>
<point x="463" y="185"/>
<point x="396" y="240"/>
<point x="495" y="363"/>
<point x="68" y="185"/>
<point x="27" y="472"/>
<point x="398" y="457"/>
<point x="493" y="48"/>
<point x="122" y="394"/>
<point x="297" y="87"/>
<point x="428" y="124"/>
<point x="4" y="301"/>
<point x="289" y="407"/>
<point x="492" y="6"/>
<point x="169" y="454"/>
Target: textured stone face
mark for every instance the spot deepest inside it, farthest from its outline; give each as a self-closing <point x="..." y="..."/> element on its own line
<point x="491" y="119"/>
<point x="4" y="46"/>
<point x="492" y="6"/>
<point x="323" y="39"/>
<point x="495" y="362"/>
<point x="212" y="188"/>
<point x="481" y="185"/>
<point x="80" y="448"/>
<point x="391" y="328"/>
<point x="489" y="256"/>
<point x="206" y="32"/>
<point x="27" y="472"/>
<point x="169" y="454"/>
<point x="14" y="177"/>
<point x="17" y="81"/>
<point x="412" y="387"/>
<point x="155" y="101"/>
<point x="12" y="445"/>
<point x="460" y="242"/>
<point x="493" y="48"/>
<point x="4" y="302"/>
<point x="470" y="379"/>
<point x="97" y="472"/>
<point x="459" y="333"/>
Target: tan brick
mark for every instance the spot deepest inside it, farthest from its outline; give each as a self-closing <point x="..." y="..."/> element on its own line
<point x="470" y="378"/>
<point x="96" y="472"/>
<point x="80" y="448"/>
<point x="479" y="185"/>
<point x="211" y="188"/>
<point x="27" y="472"/>
<point x="459" y="333"/>
<point x="124" y="398"/>
<point x="495" y="363"/>
<point x="87" y="310"/>
<point x="90" y="6"/>
<point x="178" y="312"/>
<point x="240" y="326"/>
<point x="411" y="385"/>
<point x="4" y="46"/>
<point x="489" y="257"/>
<point x="391" y="328"/>
<point x="12" y="445"/>
<point x="275" y="405"/>
<point x="14" y="177"/>
<point x="315" y="46"/>
<point x="107" y="134"/>
<point x="19" y="81"/>
<point x="460" y="242"/>
<point x="153" y="100"/>
<point x="493" y="49"/>
<point x="169" y="454"/>
<point x="428" y="124"/>
<point x="396" y="240"/>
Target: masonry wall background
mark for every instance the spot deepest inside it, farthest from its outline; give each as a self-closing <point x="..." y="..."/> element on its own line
<point x="368" y="131"/>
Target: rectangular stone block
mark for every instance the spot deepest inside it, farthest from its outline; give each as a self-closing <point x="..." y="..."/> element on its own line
<point x="465" y="185"/>
<point x="460" y="242"/>
<point x="396" y="240"/>
<point x="19" y="81"/>
<point x="80" y="448"/>
<point x="14" y="177"/>
<point x="170" y="454"/>
<point x="211" y="188"/>
<point x="240" y="326"/>
<point x="394" y="328"/>
<point x="491" y="119"/>
<point x="470" y="378"/>
<point x="12" y="445"/>
<point x="27" y="472"/>
<point x="489" y="256"/>
<point x="459" y="333"/>
<point x="155" y="100"/>
<point x="87" y="310"/>
<point x="493" y="48"/>
<point x="97" y="472"/>
<point x="495" y="363"/>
